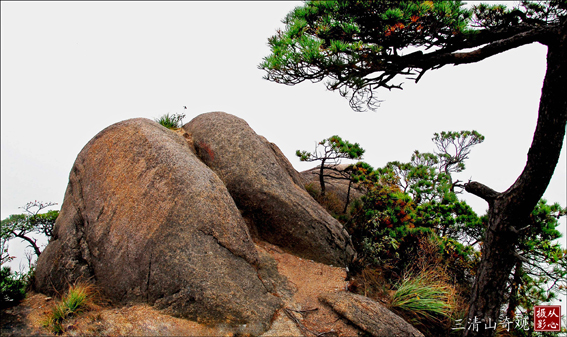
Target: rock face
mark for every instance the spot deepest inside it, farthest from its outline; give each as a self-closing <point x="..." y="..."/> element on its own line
<point x="285" y="164"/>
<point x="147" y="221"/>
<point x="258" y="178"/>
<point x="369" y="315"/>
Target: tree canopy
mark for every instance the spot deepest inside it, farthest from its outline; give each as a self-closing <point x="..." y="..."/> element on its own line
<point x="361" y="46"/>
<point x="21" y="226"/>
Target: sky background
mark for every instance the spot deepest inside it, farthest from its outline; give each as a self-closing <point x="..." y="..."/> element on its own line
<point x="70" y="69"/>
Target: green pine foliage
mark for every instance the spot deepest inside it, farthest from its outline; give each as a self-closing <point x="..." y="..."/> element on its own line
<point x="44" y="222"/>
<point x="454" y="148"/>
<point x="331" y="39"/>
<point x="333" y="149"/>
<point x="360" y="46"/>
<point x="407" y="202"/>
<point x="24" y="226"/>
<point x="12" y="287"/>
<point x="540" y="273"/>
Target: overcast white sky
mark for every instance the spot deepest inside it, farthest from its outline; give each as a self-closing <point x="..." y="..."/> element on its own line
<point x="70" y="69"/>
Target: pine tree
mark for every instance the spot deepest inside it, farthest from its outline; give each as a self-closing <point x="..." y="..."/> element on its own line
<point x="329" y="152"/>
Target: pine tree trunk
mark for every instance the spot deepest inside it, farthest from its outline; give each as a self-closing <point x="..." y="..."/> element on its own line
<point x="347" y="196"/>
<point x="321" y="178"/>
<point x="513" y="297"/>
<point x="509" y="209"/>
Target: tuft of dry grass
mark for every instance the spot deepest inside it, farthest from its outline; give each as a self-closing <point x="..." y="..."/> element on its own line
<point x="372" y="283"/>
<point x="330" y="201"/>
<point x="424" y="297"/>
<point x="425" y="293"/>
<point x="79" y="298"/>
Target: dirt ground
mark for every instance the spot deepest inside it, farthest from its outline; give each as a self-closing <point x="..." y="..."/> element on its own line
<point x="302" y="314"/>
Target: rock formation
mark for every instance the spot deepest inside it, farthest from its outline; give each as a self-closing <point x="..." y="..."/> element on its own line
<point x="146" y="220"/>
<point x="278" y="209"/>
<point x="369" y="315"/>
<point x="168" y="218"/>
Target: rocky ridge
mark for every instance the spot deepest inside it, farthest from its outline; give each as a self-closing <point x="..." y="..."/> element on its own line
<point x="177" y="220"/>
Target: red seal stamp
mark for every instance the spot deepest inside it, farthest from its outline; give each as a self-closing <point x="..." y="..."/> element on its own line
<point x="547" y="318"/>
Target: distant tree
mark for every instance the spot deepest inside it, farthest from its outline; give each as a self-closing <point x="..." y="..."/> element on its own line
<point x="428" y="176"/>
<point x="428" y="179"/>
<point x="329" y="152"/>
<point x="21" y="226"/>
<point x="420" y="177"/>
<point x="361" y="46"/>
<point x="453" y="148"/>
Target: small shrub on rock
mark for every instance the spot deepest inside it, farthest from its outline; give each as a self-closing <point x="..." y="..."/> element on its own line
<point x="173" y="121"/>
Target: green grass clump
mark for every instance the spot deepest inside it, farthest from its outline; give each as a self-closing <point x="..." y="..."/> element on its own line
<point x="424" y="298"/>
<point x="173" y="121"/>
<point x="78" y="298"/>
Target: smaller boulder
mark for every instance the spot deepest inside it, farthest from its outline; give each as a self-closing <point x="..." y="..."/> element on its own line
<point x="369" y="315"/>
<point x="338" y="187"/>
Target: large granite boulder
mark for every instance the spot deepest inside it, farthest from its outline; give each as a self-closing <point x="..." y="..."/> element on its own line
<point x="147" y="221"/>
<point x="277" y="208"/>
<point x="369" y="315"/>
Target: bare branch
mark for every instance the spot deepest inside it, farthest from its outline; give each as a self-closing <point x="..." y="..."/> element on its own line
<point x="481" y="191"/>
